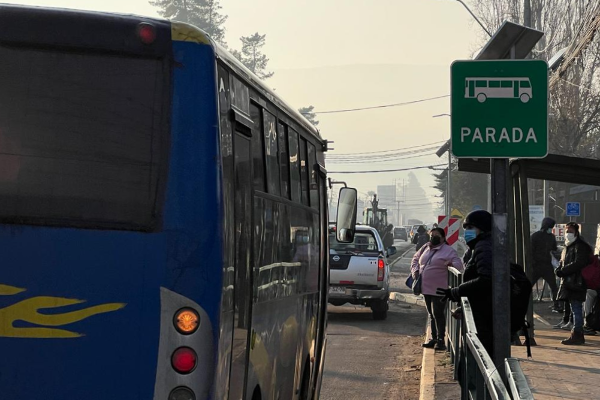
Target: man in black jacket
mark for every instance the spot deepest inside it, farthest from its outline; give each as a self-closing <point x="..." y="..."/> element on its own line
<point x="575" y="257"/>
<point x="543" y="243"/>
<point x="477" y="277"/>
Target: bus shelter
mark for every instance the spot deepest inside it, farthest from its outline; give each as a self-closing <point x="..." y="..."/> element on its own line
<point x="575" y="180"/>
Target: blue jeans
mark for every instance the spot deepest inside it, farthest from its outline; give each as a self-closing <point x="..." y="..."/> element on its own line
<point x="577" y="309"/>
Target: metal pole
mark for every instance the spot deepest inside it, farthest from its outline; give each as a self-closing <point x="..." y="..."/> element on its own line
<point x="448" y="191"/>
<point x="474" y="17"/>
<point x="500" y="269"/>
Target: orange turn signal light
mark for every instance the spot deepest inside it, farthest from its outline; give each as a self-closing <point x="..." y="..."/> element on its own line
<point x="186" y="321"/>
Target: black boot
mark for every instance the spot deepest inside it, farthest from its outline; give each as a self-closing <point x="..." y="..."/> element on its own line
<point x="429" y="344"/>
<point x="440" y="345"/>
<point x="575" y="339"/>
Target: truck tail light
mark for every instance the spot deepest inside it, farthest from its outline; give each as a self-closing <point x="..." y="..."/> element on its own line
<point x="380" y="270"/>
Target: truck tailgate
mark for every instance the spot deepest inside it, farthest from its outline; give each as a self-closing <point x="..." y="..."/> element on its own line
<point x="360" y="270"/>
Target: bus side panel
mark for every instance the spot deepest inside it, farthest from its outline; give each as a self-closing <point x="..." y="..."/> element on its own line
<point x="221" y="384"/>
<point x="284" y="316"/>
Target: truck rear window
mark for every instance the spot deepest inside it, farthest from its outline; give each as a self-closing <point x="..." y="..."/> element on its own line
<point x="363" y="242"/>
<point x="81" y="138"/>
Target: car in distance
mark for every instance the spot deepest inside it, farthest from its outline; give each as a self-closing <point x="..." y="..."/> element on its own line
<point x="400" y="233"/>
<point x="359" y="271"/>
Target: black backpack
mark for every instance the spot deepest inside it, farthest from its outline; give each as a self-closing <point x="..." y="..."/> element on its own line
<point x="520" y="293"/>
<point x="592" y="318"/>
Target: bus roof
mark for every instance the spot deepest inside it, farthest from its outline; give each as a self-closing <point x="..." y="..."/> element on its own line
<point x="180" y="31"/>
<point x="187" y="32"/>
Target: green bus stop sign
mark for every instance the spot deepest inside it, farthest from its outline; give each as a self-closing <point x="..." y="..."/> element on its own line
<point x="500" y="109"/>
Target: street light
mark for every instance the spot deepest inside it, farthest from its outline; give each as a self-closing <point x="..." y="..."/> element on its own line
<point x="446" y="147"/>
<point x="475" y="18"/>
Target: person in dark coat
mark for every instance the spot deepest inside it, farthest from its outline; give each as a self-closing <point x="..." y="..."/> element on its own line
<point x="543" y="243"/>
<point x="575" y="257"/>
<point x="421" y="238"/>
<point x="477" y="278"/>
<point x="388" y="236"/>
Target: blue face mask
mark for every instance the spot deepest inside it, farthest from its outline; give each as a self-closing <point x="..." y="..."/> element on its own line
<point x="470" y="234"/>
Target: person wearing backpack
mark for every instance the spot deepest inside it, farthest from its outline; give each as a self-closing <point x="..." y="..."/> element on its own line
<point x="543" y="243"/>
<point x="421" y="238"/>
<point x="477" y="277"/>
<point x="574" y="258"/>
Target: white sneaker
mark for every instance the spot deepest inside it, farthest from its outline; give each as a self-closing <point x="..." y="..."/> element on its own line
<point x="559" y="325"/>
<point x="568" y="326"/>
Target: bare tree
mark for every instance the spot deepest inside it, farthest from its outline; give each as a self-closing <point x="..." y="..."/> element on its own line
<point x="575" y="99"/>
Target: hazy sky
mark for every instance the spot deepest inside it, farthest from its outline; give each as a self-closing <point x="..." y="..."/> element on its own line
<point x="339" y="54"/>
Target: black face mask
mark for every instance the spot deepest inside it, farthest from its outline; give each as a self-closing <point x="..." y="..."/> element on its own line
<point x="435" y="240"/>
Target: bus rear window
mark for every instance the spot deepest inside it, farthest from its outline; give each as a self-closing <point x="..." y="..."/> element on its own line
<point x="81" y="138"/>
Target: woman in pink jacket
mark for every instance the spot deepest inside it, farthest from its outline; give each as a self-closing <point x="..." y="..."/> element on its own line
<point x="432" y="262"/>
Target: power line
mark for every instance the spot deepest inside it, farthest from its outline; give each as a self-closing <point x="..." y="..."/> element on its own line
<point x="397" y="158"/>
<point x="383" y="155"/>
<point x="386" y="170"/>
<point x="380" y="106"/>
<point x="385" y="151"/>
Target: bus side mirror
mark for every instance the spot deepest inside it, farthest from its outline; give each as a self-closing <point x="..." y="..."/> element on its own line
<point x="346" y="215"/>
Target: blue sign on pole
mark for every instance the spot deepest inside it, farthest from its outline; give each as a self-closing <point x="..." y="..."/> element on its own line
<point x="573" y="209"/>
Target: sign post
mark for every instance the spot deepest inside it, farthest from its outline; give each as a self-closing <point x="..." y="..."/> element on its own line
<point x="499" y="111"/>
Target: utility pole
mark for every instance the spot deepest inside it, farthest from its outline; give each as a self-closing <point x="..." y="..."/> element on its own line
<point x="527" y="13"/>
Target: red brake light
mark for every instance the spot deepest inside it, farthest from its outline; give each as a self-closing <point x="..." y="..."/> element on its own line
<point x="146" y="32"/>
<point x="184" y="360"/>
<point x="380" y="269"/>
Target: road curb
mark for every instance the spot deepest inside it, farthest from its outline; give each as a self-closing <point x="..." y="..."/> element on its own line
<point x="407" y="298"/>
<point x="401" y="257"/>
<point x="427" y="387"/>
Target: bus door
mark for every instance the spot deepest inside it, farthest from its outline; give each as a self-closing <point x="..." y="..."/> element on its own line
<point x="243" y="271"/>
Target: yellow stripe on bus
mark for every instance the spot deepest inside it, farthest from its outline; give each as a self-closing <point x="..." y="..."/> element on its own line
<point x="188" y="33"/>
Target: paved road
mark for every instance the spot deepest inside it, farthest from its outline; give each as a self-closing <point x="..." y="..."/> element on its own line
<point x="368" y="359"/>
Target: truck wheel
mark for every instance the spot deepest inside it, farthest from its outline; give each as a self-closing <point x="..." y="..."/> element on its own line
<point x="380" y="309"/>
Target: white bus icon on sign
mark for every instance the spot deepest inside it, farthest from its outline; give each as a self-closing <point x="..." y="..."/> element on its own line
<point x="498" y="88"/>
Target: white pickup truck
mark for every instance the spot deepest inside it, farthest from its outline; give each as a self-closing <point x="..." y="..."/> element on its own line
<point x="359" y="272"/>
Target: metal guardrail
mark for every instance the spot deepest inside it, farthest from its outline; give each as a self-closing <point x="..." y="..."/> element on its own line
<point x="452" y="324"/>
<point x="519" y="389"/>
<point x="473" y="367"/>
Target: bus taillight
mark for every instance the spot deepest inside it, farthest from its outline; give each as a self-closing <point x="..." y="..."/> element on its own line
<point x="184" y="360"/>
<point x="146" y="32"/>
<point x="182" y="393"/>
<point x="186" y="321"/>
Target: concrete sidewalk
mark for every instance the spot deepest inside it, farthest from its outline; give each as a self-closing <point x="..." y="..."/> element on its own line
<point x="437" y="381"/>
<point x="556" y="371"/>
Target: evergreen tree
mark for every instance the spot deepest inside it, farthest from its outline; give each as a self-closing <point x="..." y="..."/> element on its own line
<point x="215" y="21"/>
<point x="251" y="55"/>
<point x="467" y="189"/>
<point x="309" y="114"/>
<point x="202" y="13"/>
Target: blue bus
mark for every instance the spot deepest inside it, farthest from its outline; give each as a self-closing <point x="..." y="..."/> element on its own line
<point x="163" y="222"/>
